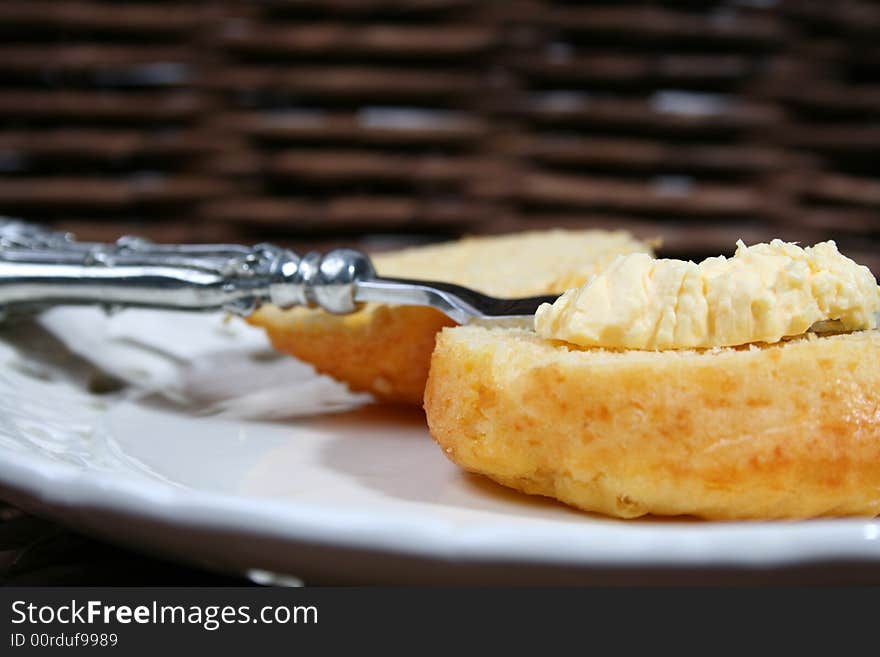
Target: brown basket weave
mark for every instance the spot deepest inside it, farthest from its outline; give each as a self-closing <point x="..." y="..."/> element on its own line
<point x="329" y="120"/>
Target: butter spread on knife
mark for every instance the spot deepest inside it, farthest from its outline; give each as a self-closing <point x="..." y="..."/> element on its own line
<point x="763" y="293"/>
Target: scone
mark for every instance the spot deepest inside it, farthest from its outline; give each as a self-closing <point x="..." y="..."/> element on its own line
<point x="386" y="350"/>
<point x="669" y="387"/>
<point x="784" y="430"/>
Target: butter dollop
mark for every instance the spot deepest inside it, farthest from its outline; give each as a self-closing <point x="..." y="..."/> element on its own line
<point x="763" y="293"/>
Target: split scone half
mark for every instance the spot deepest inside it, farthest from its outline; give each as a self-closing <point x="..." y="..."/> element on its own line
<point x="776" y="428"/>
<point x="386" y="350"/>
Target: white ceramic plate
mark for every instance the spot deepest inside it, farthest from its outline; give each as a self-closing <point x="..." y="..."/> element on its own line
<point x="193" y="460"/>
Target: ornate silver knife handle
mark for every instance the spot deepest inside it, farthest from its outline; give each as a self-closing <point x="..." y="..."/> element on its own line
<point x="41" y="268"/>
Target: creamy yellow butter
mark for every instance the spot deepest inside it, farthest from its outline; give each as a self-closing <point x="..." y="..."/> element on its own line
<point x="762" y="294"/>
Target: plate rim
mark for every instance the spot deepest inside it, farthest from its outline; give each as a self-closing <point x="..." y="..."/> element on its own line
<point x="60" y="487"/>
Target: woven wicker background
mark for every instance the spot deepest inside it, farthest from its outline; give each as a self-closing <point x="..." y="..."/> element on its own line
<point x="406" y="120"/>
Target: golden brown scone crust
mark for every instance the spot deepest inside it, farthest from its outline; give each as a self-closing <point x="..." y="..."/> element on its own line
<point x="386" y="350"/>
<point x="789" y="430"/>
